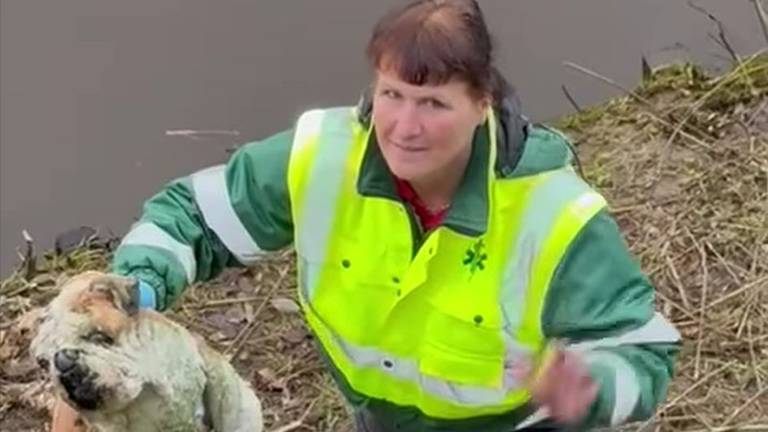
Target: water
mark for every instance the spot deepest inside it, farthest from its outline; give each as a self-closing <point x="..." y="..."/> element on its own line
<point x="89" y="88"/>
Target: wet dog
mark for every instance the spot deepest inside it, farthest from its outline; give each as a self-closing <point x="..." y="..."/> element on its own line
<point x="126" y="370"/>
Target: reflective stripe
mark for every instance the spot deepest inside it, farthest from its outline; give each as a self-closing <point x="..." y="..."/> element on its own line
<point x="149" y="234"/>
<point x="626" y="391"/>
<point x="212" y="196"/>
<point x="546" y="203"/>
<point x="657" y="330"/>
<point x="540" y="415"/>
<point x="308" y="127"/>
<point x="408" y="369"/>
<point x="324" y="185"/>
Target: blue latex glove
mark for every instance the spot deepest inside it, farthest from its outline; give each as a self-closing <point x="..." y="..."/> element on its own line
<point x="147" y="296"/>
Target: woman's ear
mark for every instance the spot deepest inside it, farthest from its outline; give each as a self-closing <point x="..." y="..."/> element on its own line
<point x="482" y="107"/>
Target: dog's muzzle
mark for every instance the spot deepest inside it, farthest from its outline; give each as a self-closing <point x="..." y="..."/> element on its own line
<point x="78" y="381"/>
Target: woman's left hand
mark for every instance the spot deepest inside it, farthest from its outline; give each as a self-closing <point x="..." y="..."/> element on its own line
<point x="564" y="386"/>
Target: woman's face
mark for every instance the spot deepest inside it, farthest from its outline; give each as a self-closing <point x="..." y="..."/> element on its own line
<point x="424" y="132"/>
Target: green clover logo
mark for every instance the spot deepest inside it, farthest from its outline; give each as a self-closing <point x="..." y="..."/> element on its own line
<point x="475" y="257"/>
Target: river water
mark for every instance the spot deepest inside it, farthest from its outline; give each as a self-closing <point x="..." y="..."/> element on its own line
<point x="89" y="88"/>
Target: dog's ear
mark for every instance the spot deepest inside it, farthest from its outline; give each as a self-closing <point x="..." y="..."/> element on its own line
<point x="122" y="292"/>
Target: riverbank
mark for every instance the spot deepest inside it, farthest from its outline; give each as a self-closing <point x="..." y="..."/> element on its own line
<point x="683" y="162"/>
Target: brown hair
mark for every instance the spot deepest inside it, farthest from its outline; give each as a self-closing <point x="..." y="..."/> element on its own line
<point x="434" y="41"/>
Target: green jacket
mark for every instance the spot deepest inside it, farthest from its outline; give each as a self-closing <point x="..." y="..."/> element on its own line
<point x="598" y="291"/>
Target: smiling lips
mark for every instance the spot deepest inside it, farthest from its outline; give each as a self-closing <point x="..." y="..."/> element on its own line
<point x="409" y="149"/>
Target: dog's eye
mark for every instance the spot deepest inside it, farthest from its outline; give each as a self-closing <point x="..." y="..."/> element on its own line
<point x="100" y="338"/>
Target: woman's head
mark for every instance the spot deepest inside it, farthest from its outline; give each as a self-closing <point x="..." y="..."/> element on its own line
<point x="434" y="80"/>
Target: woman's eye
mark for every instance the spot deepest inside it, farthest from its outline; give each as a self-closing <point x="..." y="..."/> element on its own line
<point x="101" y="338"/>
<point x="434" y="103"/>
<point x="390" y="94"/>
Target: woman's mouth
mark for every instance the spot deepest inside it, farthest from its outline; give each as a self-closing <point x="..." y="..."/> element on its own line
<point x="409" y="148"/>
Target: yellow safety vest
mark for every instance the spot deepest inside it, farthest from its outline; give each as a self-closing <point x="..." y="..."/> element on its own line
<point x="442" y="330"/>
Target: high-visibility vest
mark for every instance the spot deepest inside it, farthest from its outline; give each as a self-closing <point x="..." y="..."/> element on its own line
<point x="441" y="330"/>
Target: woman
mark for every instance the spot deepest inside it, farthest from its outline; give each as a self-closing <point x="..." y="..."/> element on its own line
<point x="455" y="271"/>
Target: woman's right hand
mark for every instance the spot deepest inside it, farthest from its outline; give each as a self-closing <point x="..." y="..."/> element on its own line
<point x="564" y="386"/>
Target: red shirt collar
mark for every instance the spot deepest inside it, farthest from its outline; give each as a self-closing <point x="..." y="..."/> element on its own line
<point x="428" y="219"/>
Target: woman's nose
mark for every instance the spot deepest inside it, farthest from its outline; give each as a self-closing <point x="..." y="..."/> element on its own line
<point x="407" y="123"/>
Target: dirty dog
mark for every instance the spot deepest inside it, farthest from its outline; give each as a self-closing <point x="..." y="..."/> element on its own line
<point x="127" y="370"/>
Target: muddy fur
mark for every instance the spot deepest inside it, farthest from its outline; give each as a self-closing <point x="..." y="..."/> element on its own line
<point x="128" y="370"/>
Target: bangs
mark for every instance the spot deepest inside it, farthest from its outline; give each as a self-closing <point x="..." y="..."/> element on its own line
<point x="421" y="48"/>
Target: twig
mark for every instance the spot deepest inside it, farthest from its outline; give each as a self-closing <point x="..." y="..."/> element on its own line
<point x="703" y="305"/>
<point x="725" y="263"/>
<point x="685" y="393"/>
<point x="199" y="134"/>
<point x="720" y="30"/>
<point x="224" y="302"/>
<point x="753" y="358"/>
<point x="570" y="98"/>
<point x="29" y="263"/>
<point x="647" y="71"/>
<point x="750" y="302"/>
<point x="297" y="423"/>
<point x="690" y="315"/>
<point x="20" y="290"/>
<point x="744" y="406"/>
<point x="757" y="112"/>
<point x="678" y="282"/>
<point x="239" y="342"/>
<point x="191" y="132"/>
<point x="741" y="428"/>
<point x="735" y="293"/>
<point x="720" y="43"/>
<point x="609" y="81"/>
<point x="761" y="15"/>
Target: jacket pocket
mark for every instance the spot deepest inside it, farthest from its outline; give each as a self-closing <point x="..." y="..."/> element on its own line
<point x="462" y="351"/>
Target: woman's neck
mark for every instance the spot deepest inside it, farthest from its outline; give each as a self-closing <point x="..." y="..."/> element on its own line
<point x="437" y="191"/>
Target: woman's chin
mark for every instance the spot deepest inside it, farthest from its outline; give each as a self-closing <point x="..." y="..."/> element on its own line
<point x="405" y="172"/>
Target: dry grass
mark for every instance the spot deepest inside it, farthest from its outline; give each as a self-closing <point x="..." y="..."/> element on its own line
<point x="248" y="314"/>
<point x="684" y="164"/>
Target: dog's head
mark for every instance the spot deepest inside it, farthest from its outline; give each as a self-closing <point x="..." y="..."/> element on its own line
<point x="85" y="338"/>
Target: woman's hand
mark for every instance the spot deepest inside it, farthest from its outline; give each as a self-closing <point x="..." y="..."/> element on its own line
<point x="564" y="386"/>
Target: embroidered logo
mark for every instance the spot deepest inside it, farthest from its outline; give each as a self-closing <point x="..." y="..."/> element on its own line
<point x="475" y="257"/>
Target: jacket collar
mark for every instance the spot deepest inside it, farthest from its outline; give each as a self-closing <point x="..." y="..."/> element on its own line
<point x="469" y="213"/>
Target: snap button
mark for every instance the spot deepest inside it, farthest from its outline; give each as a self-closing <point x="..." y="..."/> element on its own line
<point x="345" y="263"/>
<point x="396" y="279"/>
<point x="387" y="364"/>
<point x="478" y="319"/>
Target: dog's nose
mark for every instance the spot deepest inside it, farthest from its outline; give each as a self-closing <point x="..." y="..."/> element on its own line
<point x="65" y="359"/>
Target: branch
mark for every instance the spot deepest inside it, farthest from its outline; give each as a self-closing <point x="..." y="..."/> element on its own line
<point x="570" y="98"/>
<point x="29" y="261"/>
<point x="720" y="30"/>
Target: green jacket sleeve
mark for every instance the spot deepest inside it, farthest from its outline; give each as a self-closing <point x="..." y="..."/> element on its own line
<point x="602" y="305"/>
<point x="222" y="216"/>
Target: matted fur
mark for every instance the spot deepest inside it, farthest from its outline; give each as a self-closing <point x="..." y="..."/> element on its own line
<point x="127" y="370"/>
